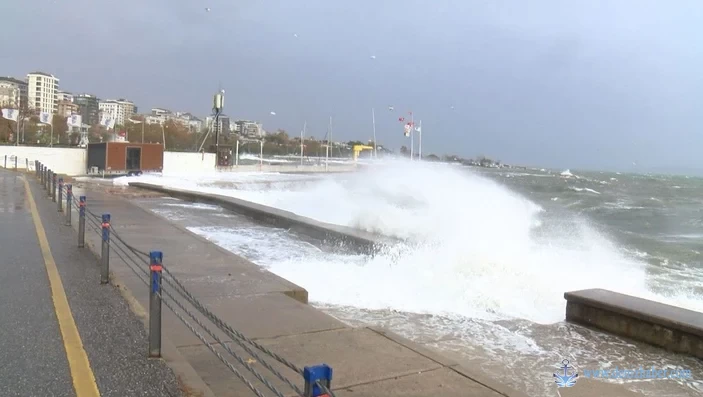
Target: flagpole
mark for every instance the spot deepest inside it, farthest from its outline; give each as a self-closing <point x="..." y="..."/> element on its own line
<point x="373" y="119"/>
<point x="412" y="134"/>
<point x="419" y="131"/>
<point x="302" y="137"/>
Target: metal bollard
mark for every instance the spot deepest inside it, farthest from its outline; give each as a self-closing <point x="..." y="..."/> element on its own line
<point x="26" y="165"/>
<point x="155" y="267"/>
<point x="15" y="163"/>
<point x="48" y="183"/>
<point x="36" y="168"/>
<point x="69" y="203"/>
<point x="54" y="185"/>
<point x="81" y="222"/>
<point x="42" y="176"/>
<point x="105" y="255"/>
<point x="59" y="196"/>
<point x="318" y="373"/>
<point x="5" y="166"/>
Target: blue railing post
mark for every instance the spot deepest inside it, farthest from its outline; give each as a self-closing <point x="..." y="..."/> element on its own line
<point x="59" y="196"/>
<point x="317" y="374"/>
<point x="81" y="222"/>
<point x="105" y="256"/>
<point x="69" y="203"/>
<point x="155" y="268"/>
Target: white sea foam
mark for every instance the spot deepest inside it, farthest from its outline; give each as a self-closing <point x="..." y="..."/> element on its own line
<point x="478" y="249"/>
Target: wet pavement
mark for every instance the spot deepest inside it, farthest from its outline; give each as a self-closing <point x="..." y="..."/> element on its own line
<point x="33" y="359"/>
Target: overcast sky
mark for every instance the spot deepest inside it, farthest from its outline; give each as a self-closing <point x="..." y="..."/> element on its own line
<point x="578" y="84"/>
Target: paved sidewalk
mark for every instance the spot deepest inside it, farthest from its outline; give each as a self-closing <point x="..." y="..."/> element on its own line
<point x="37" y="356"/>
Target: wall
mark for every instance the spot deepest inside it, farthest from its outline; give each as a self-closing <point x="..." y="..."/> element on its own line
<point x="69" y="161"/>
<point x="182" y="162"/>
<point x="73" y="161"/>
<point x="672" y="328"/>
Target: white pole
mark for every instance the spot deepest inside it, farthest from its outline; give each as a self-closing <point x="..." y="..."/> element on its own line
<point x="327" y="147"/>
<point x="261" y="154"/>
<point x="375" y="146"/>
<point x="419" y="151"/>
<point x="412" y="134"/>
<point x="302" y="137"/>
<point x="236" y="155"/>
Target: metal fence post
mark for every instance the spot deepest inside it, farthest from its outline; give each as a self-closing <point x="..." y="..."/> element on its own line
<point x="59" y="196"/>
<point x="81" y="222"/>
<point x="5" y="166"/>
<point x="15" y="163"/>
<point x="317" y="373"/>
<point x="53" y="187"/>
<point x="155" y="267"/>
<point x="69" y="203"/>
<point x="48" y="183"/>
<point x="105" y="256"/>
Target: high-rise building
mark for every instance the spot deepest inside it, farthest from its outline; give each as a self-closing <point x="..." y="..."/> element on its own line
<point x="88" y="108"/>
<point x="119" y="109"/>
<point x="13" y="92"/>
<point x="42" y="92"/>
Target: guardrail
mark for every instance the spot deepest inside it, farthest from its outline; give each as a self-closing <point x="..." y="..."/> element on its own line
<point x="166" y="289"/>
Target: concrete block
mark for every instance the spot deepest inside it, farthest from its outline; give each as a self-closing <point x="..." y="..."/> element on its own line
<point x="666" y="326"/>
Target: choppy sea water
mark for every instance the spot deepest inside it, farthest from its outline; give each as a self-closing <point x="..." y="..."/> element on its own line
<point x="491" y="253"/>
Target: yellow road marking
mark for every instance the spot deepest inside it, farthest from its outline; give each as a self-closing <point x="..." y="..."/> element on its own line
<point x="83" y="378"/>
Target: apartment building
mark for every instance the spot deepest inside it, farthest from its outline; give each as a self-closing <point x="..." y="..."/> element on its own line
<point x="67" y="108"/>
<point x="88" y="108"/>
<point x="13" y="92"/>
<point x="118" y="109"/>
<point x="42" y="92"/>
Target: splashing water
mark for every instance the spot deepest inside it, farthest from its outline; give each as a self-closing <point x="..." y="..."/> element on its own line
<point x="473" y="247"/>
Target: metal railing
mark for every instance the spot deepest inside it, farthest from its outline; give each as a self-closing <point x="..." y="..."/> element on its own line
<point x="166" y="289"/>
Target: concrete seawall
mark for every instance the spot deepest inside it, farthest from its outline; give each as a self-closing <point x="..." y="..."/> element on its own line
<point x="358" y="240"/>
<point x="673" y="328"/>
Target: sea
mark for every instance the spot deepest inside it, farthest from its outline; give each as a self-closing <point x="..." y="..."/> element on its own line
<point x="481" y="259"/>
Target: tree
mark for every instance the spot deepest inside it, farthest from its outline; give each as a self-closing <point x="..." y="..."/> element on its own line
<point x="432" y="157"/>
<point x="404" y="150"/>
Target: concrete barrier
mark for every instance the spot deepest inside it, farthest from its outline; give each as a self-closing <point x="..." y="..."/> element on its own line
<point x="357" y="239"/>
<point x="673" y="328"/>
<point x="67" y="161"/>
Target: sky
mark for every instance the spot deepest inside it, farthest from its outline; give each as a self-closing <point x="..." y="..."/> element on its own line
<point x="569" y="84"/>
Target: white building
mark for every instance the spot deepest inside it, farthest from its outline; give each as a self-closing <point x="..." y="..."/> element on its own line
<point x="13" y="92"/>
<point x="42" y="92"/>
<point x="64" y="96"/>
<point x="118" y="109"/>
<point x="248" y="128"/>
<point x="160" y="116"/>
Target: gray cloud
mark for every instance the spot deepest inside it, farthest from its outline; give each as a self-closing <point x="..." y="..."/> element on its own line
<point x="595" y="84"/>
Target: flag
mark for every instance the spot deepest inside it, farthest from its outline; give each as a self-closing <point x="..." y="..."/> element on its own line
<point x="11" y="114"/>
<point x="74" y="120"/>
<point x="45" y="118"/>
<point x="418" y="129"/>
<point x="407" y="129"/>
<point x="107" y="121"/>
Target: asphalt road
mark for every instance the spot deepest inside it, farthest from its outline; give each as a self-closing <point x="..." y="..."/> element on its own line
<point x="33" y="359"/>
